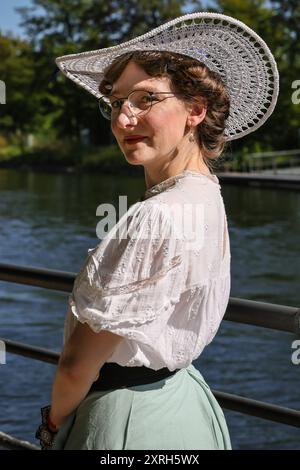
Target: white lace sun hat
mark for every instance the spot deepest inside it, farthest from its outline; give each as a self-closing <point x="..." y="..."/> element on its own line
<point x="225" y="45"/>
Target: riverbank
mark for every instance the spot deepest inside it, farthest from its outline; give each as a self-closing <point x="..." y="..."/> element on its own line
<point x="71" y="159"/>
<point x="104" y="167"/>
<point x="66" y="157"/>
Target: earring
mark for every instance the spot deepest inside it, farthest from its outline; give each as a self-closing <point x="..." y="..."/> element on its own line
<point x="191" y="137"/>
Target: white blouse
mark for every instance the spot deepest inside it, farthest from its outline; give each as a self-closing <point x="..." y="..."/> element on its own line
<point x="149" y="281"/>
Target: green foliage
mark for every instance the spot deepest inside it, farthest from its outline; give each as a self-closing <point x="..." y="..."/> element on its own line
<point x="278" y="24"/>
<point x="58" y="110"/>
<point x="67" y="155"/>
<point x="17" y="71"/>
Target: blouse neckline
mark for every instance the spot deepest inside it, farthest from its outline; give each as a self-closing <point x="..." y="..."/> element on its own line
<point x="163" y="185"/>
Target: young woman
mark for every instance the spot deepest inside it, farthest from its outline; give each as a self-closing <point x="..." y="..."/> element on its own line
<point x="152" y="294"/>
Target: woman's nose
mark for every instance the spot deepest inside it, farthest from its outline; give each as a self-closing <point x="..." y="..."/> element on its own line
<point x="126" y="116"/>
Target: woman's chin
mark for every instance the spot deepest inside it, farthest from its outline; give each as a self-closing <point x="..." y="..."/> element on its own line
<point x="134" y="162"/>
<point x="136" y="157"/>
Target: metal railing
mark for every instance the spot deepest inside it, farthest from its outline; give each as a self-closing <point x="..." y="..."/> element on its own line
<point x="12" y="443"/>
<point x="273" y="316"/>
<point x="267" y="315"/>
<point x="273" y="160"/>
<point x="260" y="161"/>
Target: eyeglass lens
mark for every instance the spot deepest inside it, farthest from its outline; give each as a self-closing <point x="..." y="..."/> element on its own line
<point x="139" y="101"/>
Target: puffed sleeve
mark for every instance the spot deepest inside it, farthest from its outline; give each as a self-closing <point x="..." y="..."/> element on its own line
<point x="131" y="281"/>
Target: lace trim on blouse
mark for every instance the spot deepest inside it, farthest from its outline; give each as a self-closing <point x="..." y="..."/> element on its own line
<point x="169" y="182"/>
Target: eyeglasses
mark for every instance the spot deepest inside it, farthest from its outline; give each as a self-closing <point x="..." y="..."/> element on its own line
<point x="139" y="101"/>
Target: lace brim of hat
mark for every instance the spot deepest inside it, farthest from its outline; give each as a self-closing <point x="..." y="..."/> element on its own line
<point x="225" y="45"/>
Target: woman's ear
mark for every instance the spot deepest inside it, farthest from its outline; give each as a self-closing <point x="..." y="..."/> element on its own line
<point x="197" y="112"/>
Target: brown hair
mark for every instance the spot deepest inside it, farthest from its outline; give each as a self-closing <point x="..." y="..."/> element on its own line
<point x="191" y="78"/>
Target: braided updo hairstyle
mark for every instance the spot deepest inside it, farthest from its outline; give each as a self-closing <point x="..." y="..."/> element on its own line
<point x="190" y="78"/>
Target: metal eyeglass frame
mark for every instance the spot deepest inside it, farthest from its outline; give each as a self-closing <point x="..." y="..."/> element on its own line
<point x="126" y="98"/>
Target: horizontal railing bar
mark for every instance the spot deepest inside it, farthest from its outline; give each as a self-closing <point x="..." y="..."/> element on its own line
<point x="229" y="401"/>
<point x="266" y="315"/>
<point x="12" y="443"/>
<point x="38" y="277"/>
<point x="34" y="352"/>
<point x="260" y="409"/>
<point x="274" y="153"/>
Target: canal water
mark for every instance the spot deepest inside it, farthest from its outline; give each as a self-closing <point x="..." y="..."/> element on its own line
<point x="49" y="221"/>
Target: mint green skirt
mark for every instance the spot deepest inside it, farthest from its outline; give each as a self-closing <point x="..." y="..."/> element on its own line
<point x="179" y="413"/>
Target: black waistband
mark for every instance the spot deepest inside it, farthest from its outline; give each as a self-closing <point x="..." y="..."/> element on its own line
<point x="113" y="376"/>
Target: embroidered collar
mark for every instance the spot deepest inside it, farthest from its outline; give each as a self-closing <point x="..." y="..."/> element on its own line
<point x="167" y="183"/>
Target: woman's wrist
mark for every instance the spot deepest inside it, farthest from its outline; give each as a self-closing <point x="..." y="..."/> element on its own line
<point x="47" y="429"/>
<point x="51" y="425"/>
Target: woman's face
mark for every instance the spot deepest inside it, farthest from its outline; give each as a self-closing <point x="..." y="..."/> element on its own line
<point x="163" y="126"/>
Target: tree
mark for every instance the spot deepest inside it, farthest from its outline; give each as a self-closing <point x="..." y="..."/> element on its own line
<point x="278" y="24"/>
<point x="58" y="107"/>
<point x="56" y="28"/>
<point x="17" y="71"/>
